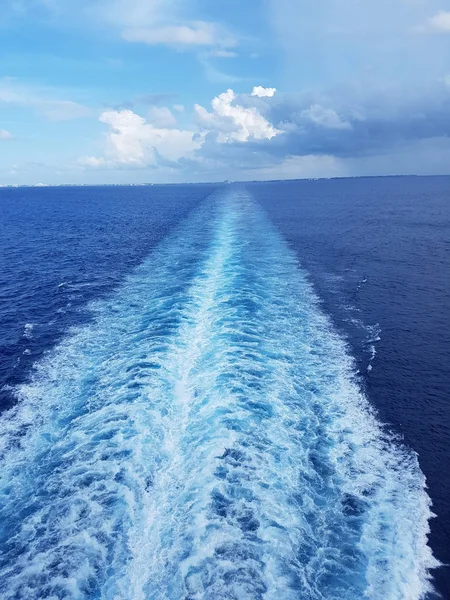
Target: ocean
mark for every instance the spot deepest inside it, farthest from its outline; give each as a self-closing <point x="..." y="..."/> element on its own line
<point x="226" y="391"/>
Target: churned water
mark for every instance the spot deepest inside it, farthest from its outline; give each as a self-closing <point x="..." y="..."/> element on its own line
<point x="199" y="431"/>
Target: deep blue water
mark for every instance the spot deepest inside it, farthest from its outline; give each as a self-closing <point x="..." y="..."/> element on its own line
<point x="195" y="382"/>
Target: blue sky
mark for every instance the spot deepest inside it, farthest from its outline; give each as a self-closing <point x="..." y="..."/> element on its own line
<point x="132" y="91"/>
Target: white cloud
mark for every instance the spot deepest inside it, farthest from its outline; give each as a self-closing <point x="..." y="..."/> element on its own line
<point x="161" y="116"/>
<point x="14" y="92"/>
<point x="117" y="13"/>
<point x="174" y="35"/>
<point x="164" y="22"/>
<point x="440" y="22"/>
<point x="235" y="123"/>
<point x="326" y="117"/>
<point x="63" y="110"/>
<point x="131" y="141"/>
<point x="131" y="13"/>
<point x="5" y="135"/>
<point x="218" y="53"/>
<point x="94" y="162"/>
<point x="199" y="33"/>
<point x="262" y="92"/>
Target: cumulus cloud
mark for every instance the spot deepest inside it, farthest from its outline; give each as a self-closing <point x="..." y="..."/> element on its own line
<point x="5" y="135"/>
<point x="161" y="116"/>
<point x="339" y="132"/>
<point x="358" y="121"/>
<point x="262" y="92"/>
<point x="132" y="141"/>
<point x="310" y="133"/>
<point x="233" y="122"/>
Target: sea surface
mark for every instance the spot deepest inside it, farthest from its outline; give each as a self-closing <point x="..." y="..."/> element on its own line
<point x="226" y="391"/>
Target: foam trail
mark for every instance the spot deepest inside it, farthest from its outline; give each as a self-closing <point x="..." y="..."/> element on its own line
<point x="204" y="438"/>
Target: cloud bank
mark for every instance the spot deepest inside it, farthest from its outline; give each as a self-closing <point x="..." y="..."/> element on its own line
<point x="268" y="132"/>
<point x="134" y="141"/>
<point x="362" y="87"/>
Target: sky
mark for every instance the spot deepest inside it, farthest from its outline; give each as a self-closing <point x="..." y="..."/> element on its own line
<point x="154" y="91"/>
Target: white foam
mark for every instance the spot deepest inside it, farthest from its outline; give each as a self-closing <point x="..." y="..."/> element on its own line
<point x="28" y="331"/>
<point x="204" y="438"/>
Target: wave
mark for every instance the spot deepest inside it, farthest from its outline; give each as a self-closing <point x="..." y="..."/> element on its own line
<point x="204" y="438"/>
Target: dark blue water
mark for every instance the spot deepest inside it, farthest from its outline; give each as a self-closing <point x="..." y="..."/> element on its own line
<point x="200" y="430"/>
<point x="61" y="248"/>
<point x="378" y="252"/>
